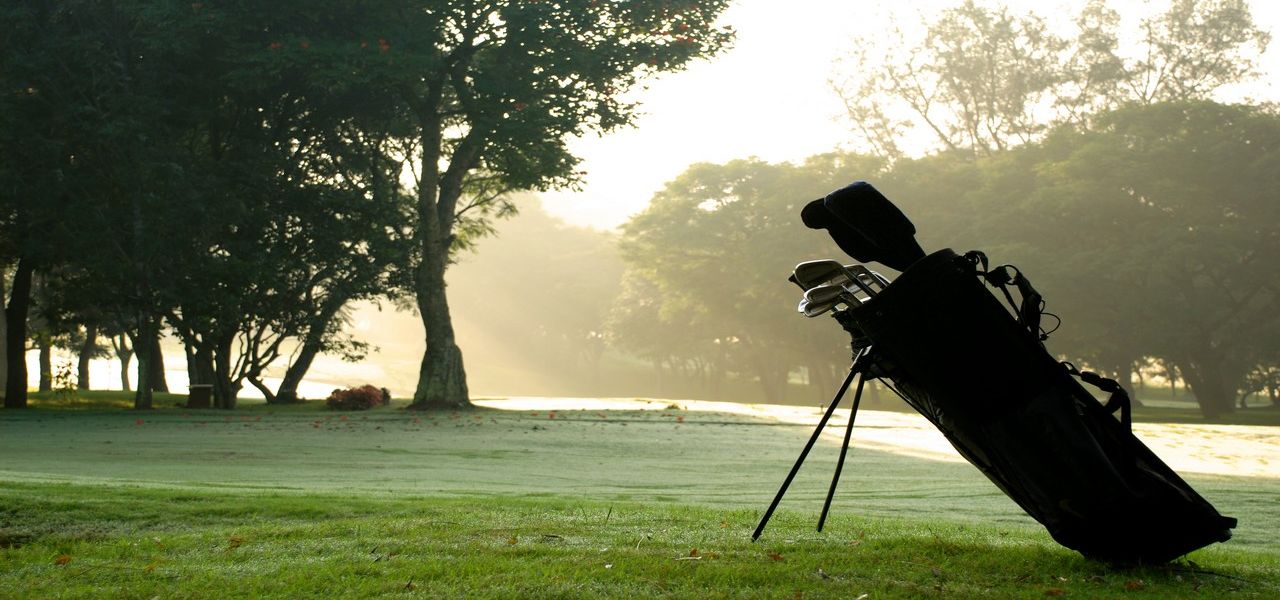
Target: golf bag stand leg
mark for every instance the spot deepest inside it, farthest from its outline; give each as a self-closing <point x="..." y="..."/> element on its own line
<point x="844" y="449"/>
<point x="822" y="423"/>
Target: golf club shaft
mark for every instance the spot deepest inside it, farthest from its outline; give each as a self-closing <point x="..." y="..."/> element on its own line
<point x="848" y="433"/>
<point x="807" y="447"/>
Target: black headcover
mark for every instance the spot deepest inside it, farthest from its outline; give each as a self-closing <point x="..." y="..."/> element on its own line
<point x="866" y="225"/>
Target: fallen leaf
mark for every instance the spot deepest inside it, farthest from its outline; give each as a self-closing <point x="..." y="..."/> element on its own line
<point x="1134" y="584"/>
<point x="511" y="541"/>
<point x="234" y="542"/>
<point x="776" y="557"/>
<point x="1054" y="592"/>
<point x="724" y="524"/>
<point x="62" y="559"/>
<point x="409" y="585"/>
<point x="680" y="419"/>
<point x="151" y="567"/>
<point x="693" y="552"/>
<point x="936" y="572"/>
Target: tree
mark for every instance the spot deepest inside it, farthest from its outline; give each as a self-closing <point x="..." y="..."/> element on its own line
<point x="494" y="90"/>
<point x="1180" y="197"/>
<point x="983" y="79"/>
<point x="1145" y="232"/>
<point x="709" y="259"/>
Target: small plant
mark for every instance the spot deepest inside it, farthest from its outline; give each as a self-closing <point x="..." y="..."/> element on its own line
<point x="64" y="382"/>
<point x="364" y="397"/>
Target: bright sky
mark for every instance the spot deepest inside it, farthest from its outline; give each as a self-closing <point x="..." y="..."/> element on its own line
<point x="768" y="97"/>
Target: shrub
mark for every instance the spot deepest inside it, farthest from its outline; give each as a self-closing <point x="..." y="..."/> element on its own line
<point x="364" y="397"/>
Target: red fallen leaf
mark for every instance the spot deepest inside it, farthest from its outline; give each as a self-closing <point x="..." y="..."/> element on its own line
<point x="383" y="46"/>
<point x="680" y="419"/>
<point x="276" y="45"/>
<point x="511" y="541"/>
<point x="693" y="552"/>
<point x="774" y="556"/>
<point x="521" y="106"/>
<point x="305" y="45"/>
<point x="343" y="417"/>
<point x="551" y="415"/>
<point x="139" y="422"/>
<point x="62" y="559"/>
<point x="1055" y="592"/>
<point x="1134" y="584"/>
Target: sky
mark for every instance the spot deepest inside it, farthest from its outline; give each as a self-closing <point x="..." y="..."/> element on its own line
<point x="768" y="97"/>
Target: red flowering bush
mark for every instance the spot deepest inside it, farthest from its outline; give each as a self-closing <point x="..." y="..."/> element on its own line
<point x="364" y="397"/>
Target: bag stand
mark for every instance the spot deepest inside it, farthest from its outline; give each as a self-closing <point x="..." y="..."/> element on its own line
<point x="862" y="364"/>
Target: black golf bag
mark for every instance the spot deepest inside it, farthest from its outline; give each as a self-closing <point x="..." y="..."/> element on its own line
<point x="980" y="373"/>
<point x="982" y="377"/>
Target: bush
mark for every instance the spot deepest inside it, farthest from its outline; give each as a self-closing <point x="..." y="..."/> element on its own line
<point x="364" y="397"/>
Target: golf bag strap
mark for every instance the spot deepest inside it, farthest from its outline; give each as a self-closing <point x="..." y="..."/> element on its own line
<point x="1002" y="277"/>
<point x="1118" y="400"/>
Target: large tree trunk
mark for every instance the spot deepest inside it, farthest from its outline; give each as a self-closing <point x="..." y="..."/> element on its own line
<point x="46" y="364"/>
<point x="4" y="346"/>
<point x="288" y="391"/>
<point x="442" y="381"/>
<point x="224" y="389"/>
<point x="15" y="340"/>
<point x="143" y="344"/>
<point x="1206" y="380"/>
<point x="158" y="381"/>
<point x="87" y="350"/>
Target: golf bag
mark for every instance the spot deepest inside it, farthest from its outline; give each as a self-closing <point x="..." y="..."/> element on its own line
<point x="984" y="380"/>
<point x="980" y="373"/>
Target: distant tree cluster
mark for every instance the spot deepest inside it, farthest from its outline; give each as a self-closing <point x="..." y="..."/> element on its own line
<point x="236" y="174"/>
<point x="1146" y="213"/>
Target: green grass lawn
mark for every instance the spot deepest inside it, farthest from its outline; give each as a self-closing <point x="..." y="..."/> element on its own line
<point x="298" y="501"/>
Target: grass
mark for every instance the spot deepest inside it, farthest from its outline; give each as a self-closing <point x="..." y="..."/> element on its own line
<point x="295" y="501"/>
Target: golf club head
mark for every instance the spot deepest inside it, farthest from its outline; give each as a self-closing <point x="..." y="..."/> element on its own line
<point x="811" y="273"/>
<point x="866" y="225"/>
<point x="822" y="298"/>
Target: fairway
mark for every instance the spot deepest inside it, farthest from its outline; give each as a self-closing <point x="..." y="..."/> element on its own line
<point x="464" y="502"/>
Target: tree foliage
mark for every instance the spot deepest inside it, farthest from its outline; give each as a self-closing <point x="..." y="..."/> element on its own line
<point x="983" y="79"/>
<point x="708" y="262"/>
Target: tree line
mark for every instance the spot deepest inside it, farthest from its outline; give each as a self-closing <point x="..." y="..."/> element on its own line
<point x="236" y="174"/>
<point x="1144" y="211"/>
